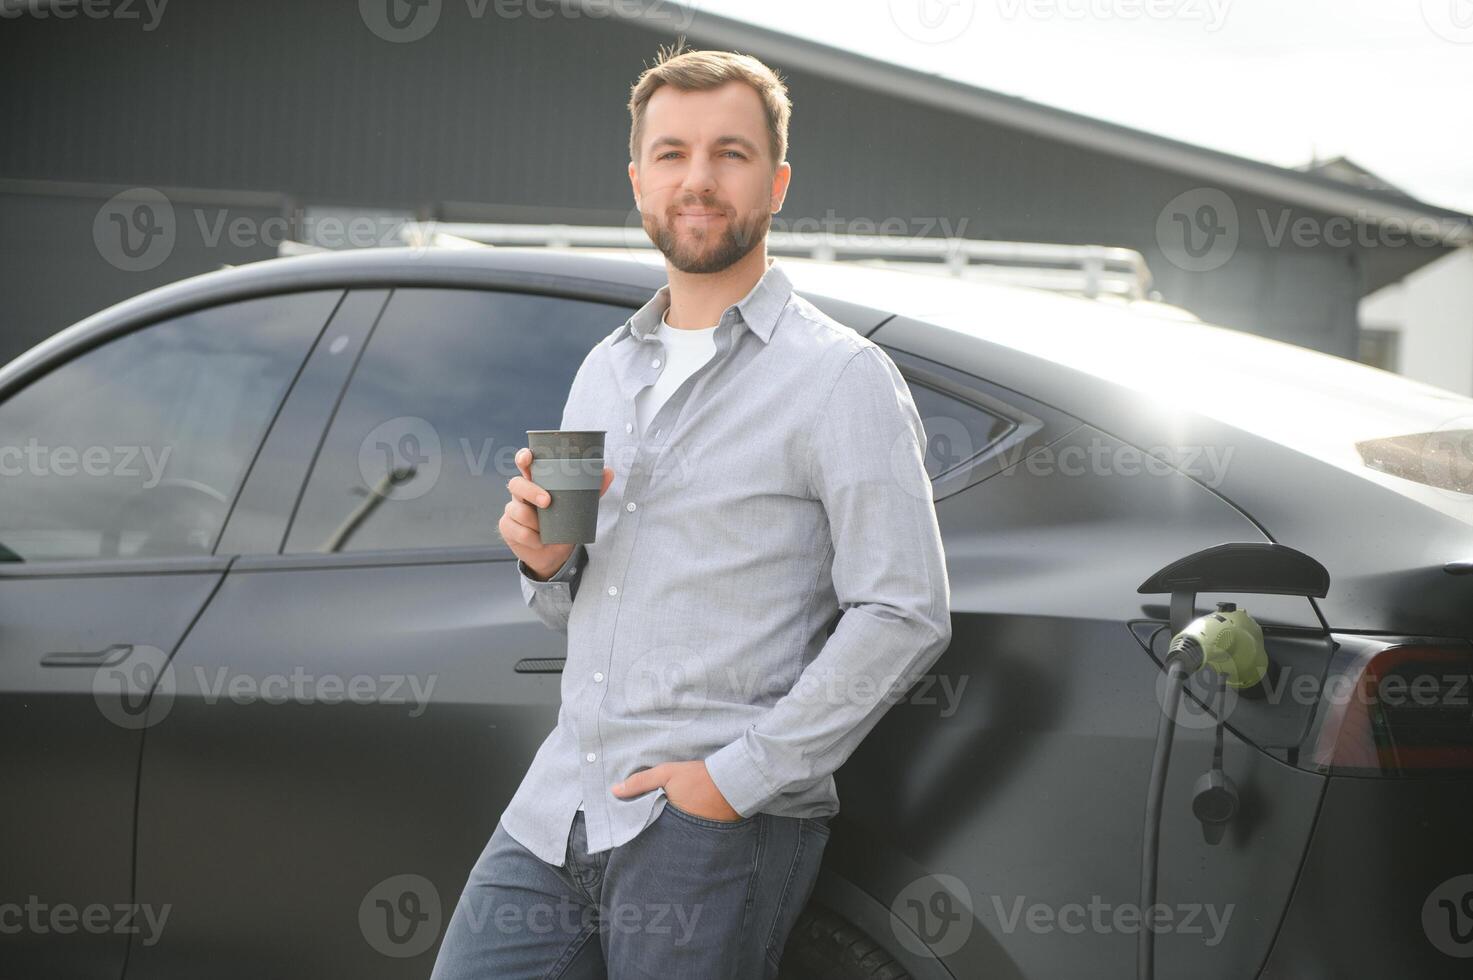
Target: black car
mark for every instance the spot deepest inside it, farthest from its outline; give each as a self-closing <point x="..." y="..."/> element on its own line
<point x="267" y="679"/>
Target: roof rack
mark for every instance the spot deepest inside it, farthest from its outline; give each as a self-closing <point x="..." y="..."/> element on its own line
<point x="1095" y="271"/>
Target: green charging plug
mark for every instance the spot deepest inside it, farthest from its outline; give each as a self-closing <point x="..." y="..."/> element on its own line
<point x="1228" y="641"/>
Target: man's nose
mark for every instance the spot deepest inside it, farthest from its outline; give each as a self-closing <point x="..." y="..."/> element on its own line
<point x="700" y="176"/>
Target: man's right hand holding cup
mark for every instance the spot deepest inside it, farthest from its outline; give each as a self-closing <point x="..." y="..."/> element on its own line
<point x="519" y="525"/>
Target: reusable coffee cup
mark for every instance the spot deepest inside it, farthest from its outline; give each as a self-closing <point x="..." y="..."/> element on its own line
<point x="569" y="465"/>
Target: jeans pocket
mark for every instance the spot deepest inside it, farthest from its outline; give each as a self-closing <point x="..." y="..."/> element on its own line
<point x="707" y="821"/>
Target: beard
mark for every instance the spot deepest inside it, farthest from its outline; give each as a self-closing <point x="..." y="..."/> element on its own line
<point x="705" y="249"/>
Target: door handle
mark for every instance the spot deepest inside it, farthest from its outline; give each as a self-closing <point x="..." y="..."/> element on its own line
<point x="105" y="657"/>
<point x="540" y="665"/>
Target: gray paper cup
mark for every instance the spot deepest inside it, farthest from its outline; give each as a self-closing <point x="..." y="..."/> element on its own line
<point x="569" y="465"/>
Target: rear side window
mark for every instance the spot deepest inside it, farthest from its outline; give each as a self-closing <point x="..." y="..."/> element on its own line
<point x="138" y="447"/>
<point x="956" y="430"/>
<point x="421" y="447"/>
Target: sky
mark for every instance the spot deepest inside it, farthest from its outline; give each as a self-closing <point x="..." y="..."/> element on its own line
<point x="1387" y="83"/>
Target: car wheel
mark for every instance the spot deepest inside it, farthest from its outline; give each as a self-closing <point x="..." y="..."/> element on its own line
<point x="826" y="946"/>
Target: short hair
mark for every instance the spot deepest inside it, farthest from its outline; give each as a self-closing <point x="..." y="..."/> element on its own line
<point x="696" y="71"/>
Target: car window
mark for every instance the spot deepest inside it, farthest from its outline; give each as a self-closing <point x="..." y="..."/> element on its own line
<point x="137" y="447"/>
<point x="448" y="386"/>
<point x="956" y="430"/>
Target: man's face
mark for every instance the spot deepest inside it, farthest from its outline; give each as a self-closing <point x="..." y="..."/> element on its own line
<point x="705" y="180"/>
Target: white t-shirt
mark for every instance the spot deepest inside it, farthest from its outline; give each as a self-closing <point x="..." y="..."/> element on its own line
<point x="687" y="350"/>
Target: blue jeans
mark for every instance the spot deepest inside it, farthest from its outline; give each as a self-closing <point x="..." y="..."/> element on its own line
<point x="687" y="897"/>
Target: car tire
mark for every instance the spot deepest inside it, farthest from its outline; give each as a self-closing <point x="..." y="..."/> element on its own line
<point x="826" y="946"/>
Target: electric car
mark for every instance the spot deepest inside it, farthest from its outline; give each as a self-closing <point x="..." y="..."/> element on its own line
<point x="268" y="680"/>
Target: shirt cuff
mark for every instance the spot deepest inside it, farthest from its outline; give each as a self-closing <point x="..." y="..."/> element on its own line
<point x="739" y="778"/>
<point x="557" y="582"/>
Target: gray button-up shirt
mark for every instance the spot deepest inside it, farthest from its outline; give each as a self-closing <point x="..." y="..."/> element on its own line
<point x="782" y="484"/>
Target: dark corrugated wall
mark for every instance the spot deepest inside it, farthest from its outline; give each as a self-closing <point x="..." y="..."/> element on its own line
<point x="520" y="119"/>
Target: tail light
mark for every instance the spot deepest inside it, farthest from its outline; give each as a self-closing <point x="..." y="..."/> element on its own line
<point x="1394" y="707"/>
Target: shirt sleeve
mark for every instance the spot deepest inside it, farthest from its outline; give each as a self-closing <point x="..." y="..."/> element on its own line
<point x="889" y="575"/>
<point x="552" y="600"/>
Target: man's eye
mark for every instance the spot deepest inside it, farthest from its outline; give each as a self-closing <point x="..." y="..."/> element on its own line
<point x="738" y="154"/>
<point x="664" y="155"/>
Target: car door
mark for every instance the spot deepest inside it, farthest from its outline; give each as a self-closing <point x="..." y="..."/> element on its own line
<point x="353" y="714"/>
<point x="119" y="469"/>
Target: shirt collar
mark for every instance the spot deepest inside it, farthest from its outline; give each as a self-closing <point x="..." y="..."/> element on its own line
<point x="759" y="309"/>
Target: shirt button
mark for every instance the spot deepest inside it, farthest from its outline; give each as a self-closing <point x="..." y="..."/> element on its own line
<point x="629" y="506"/>
<point x="598" y="675"/>
<point x="628" y="426"/>
<point x="655" y="362"/>
<point x="591" y="756"/>
<point x="613" y="590"/>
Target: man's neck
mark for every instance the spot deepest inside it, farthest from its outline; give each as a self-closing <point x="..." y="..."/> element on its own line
<point x="697" y="300"/>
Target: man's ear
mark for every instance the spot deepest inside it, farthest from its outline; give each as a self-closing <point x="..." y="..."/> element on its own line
<point x="634" y="181"/>
<point x="780" y="181"/>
